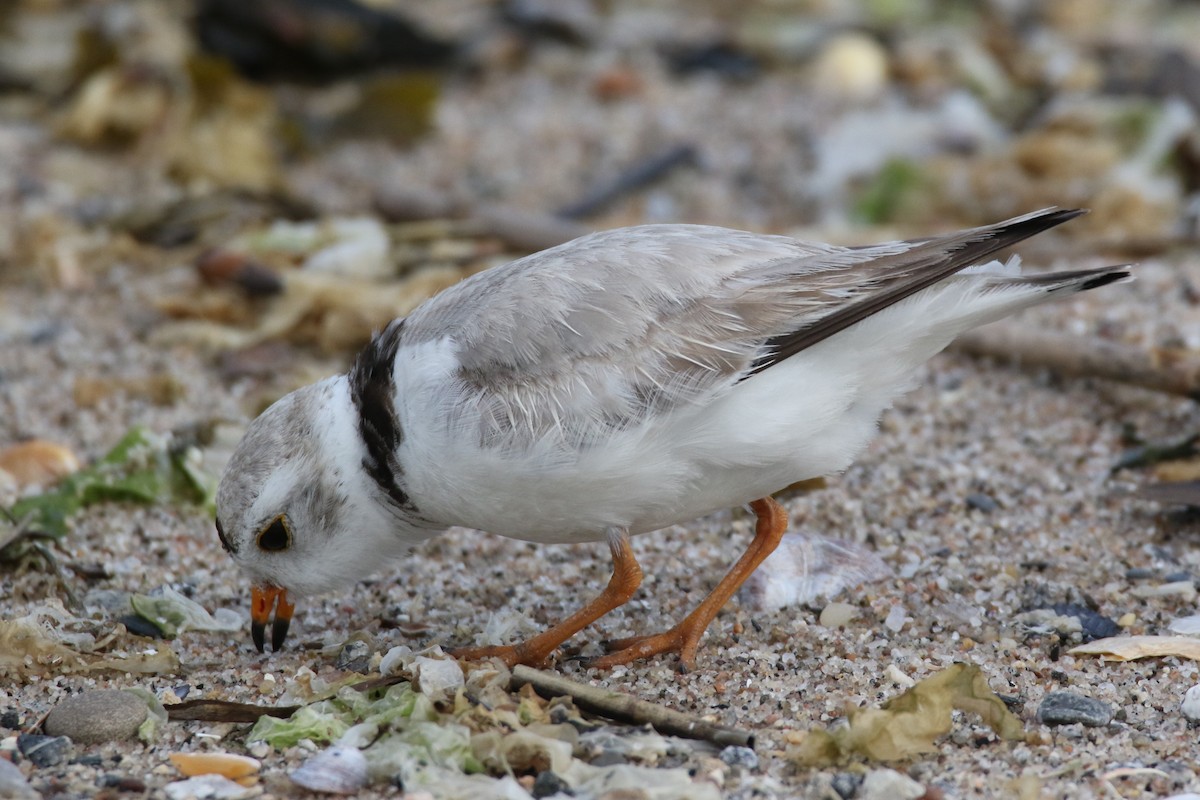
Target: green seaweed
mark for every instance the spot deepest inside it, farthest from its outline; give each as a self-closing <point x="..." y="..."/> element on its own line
<point x="142" y="468"/>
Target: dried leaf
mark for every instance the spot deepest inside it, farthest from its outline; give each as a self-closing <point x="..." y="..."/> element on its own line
<point x="225" y="711"/>
<point x="1131" y="648"/>
<point x="909" y="724"/>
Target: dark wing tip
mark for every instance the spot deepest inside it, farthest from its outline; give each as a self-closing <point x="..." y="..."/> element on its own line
<point x="1116" y="276"/>
<point x="1028" y="225"/>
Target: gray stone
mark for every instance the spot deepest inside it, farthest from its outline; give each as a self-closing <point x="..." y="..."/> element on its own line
<point x="549" y="784"/>
<point x="1067" y="708"/>
<point x="44" y="751"/>
<point x="981" y="502"/>
<point x="13" y="784"/>
<point x="742" y="757"/>
<point x="846" y="784"/>
<point x="104" y="715"/>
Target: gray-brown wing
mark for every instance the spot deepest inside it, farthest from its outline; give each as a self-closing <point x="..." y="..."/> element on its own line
<point x="596" y="334"/>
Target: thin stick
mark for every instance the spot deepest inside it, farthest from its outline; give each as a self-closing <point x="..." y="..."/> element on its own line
<point x="1162" y="370"/>
<point x="624" y="708"/>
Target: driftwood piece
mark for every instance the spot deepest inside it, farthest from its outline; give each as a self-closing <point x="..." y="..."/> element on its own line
<point x="625" y="708"/>
<point x="1161" y="369"/>
<point x="522" y="230"/>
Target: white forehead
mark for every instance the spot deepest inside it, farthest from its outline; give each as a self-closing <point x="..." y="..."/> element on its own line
<point x="276" y="490"/>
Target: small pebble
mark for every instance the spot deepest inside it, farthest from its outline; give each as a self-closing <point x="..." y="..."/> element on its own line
<point x="847" y="784"/>
<point x="835" y="615"/>
<point x="1191" y="703"/>
<point x="1066" y="708"/>
<point x="94" y="717"/>
<point x="1092" y="625"/>
<point x="742" y="757"/>
<point x="1176" y="577"/>
<point x="548" y="784"/>
<point x="895" y="619"/>
<point x="852" y="65"/>
<point x="608" y="758"/>
<point x="44" y="751"/>
<point x="888" y="784"/>
<point x="354" y="656"/>
<point x="1139" y="573"/>
<point x="10" y="719"/>
<point x="981" y="502"/>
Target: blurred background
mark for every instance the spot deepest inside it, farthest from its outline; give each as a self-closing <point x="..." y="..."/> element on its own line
<point x="153" y="131"/>
<point x="206" y="204"/>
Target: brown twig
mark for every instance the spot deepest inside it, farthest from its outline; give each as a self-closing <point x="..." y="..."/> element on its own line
<point x="624" y="708"/>
<point x="1163" y="370"/>
<point x="213" y="710"/>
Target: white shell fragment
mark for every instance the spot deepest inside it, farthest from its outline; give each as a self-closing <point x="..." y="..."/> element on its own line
<point x="209" y="787"/>
<point x="1190" y="707"/>
<point x="1186" y="626"/>
<point x="437" y="676"/>
<point x="804" y="568"/>
<point x="338" y="770"/>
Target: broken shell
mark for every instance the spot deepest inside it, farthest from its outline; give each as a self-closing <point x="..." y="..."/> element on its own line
<point x="227" y="764"/>
<point x="38" y="463"/>
<point x="338" y="770"/>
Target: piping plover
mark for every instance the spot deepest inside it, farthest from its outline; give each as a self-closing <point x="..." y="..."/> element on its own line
<point x="617" y="384"/>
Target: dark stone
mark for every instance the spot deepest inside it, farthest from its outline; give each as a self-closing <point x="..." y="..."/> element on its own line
<point x="140" y="626"/>
<point x="10" y="719"/>
<point x="608" y="758"/>
<point x="122" y="783"/>
<point x="44" y="751"/>
<point x="1094" y="626"/>
<point x="981" y="502"/>
<point x="89" y="761"/>
<point x="1176" y="577"/>
<point x="847" y="784"/>
<point x="1067" y="708"/>
<point x="742" y="757"/>
<point x="549" y="784"/>
<point x="1139" y="573"/>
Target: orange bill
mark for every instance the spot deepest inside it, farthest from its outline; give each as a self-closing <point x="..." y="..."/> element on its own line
<point x="264" y="600"/>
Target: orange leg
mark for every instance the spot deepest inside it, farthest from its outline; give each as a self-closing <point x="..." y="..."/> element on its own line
<point x="685" y="636"/>
<point x="626" y="578"/>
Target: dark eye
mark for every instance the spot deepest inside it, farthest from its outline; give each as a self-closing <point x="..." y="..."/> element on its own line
<point x="275" y="536"/>
<point x="221" y="536"/>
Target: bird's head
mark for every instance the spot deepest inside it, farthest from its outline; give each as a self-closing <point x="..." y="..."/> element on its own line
<point x="294" y="507"/>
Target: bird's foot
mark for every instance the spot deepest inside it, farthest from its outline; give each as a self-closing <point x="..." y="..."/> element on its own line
<point x="683" y="639"/>
<point x="509" y="654"/>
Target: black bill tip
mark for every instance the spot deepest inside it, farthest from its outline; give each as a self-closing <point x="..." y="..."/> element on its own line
<point x="279" y="631"/>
